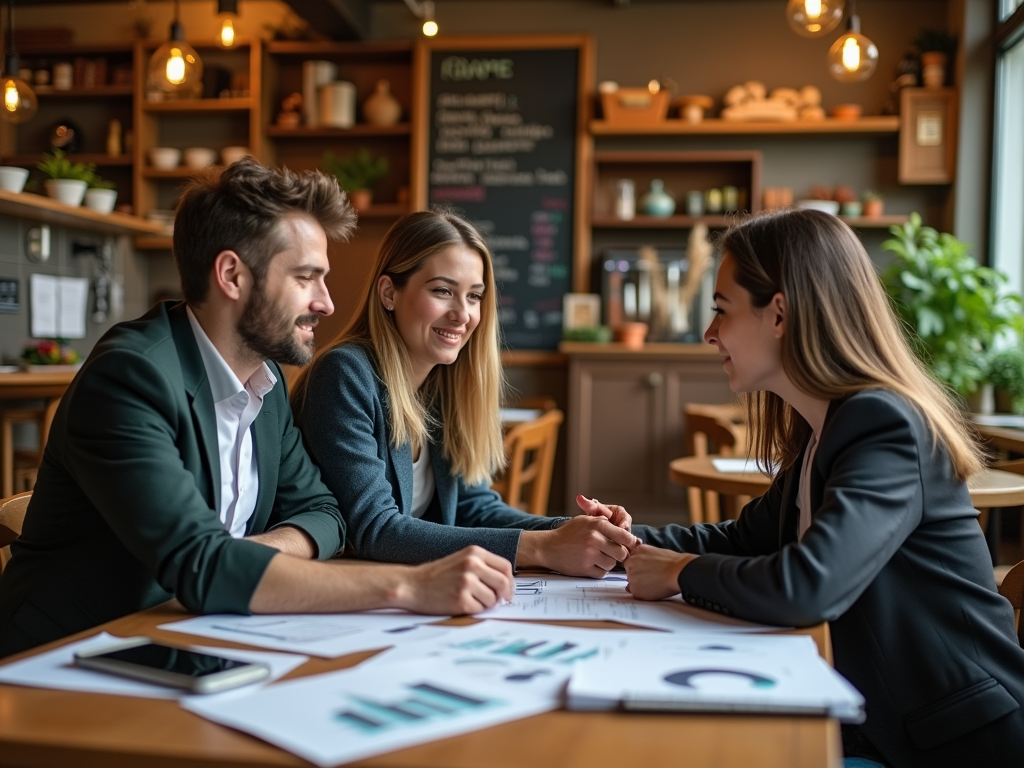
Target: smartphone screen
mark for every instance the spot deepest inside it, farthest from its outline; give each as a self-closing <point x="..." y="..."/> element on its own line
<point x="175" y="660"/>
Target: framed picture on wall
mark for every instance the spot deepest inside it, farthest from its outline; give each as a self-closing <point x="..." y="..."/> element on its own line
<point x="581" y="310"/>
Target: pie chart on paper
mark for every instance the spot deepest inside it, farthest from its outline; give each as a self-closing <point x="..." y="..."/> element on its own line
<point x="688" y="678"/>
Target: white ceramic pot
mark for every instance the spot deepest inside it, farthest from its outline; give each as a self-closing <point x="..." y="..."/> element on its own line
<point x="165" y="158"/>
<point x="68" y="191"/>
<point x="230" y="155"/>
<point x="12" y="178"/>
<point x="825" y="206"/>
<point x="199" y="157"/>
<point x="101" y="200"/>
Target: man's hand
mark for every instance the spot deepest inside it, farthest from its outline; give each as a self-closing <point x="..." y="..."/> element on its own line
<point x="613" y="512"/>
<point x="587" y="545"/>
<point x="654" y="573"/>
<point x="469" y="581"/>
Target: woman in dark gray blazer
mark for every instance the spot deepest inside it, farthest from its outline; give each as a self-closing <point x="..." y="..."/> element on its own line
<point x="401" y="414"/>
<point x="868" y="524"/>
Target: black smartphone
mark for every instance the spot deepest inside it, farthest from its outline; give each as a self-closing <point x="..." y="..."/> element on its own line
<point x="141" y="658"/>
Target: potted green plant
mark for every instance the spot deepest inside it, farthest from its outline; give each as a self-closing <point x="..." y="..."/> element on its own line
<point x="101" y="195"/>
<point x="356" y="173"/>
<point x="1006" y="375"/>
<point x="874" y="203"/>
<point x="957" y="307"/>
<point x="66" y="181"/>
<point x="935" y="48"/>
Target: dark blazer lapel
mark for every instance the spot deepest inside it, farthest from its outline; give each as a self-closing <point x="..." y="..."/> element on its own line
<point x="445" y="483"/>
<point x="200" y="398"/>
<point x="267" y="444"/>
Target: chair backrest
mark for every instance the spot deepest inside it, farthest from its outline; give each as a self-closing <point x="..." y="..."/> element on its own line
<point x="530" y="448"/>
<point x="1012" y="588"/>
<point x="12" y="515"/>
<point x="713" y="429"/>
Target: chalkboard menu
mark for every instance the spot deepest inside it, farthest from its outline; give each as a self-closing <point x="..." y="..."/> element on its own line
<point x="502" y="150"/>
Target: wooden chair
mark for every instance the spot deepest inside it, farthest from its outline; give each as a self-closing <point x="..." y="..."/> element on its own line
<point x="1017" y="467"/>
<point x="1012" y="588"/>
<point x="530" y="448"/>
<point x="20" y="467"/>
<point x="714" y="429"/>
<point x="12" y="515"/>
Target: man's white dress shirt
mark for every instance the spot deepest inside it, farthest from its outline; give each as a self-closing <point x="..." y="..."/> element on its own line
<point x="236" y="406"/>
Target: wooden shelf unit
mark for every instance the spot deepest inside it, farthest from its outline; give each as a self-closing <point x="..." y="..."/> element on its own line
<point x="49" y="92"/>
<point x="303" y="148"/>
<point x="680" y="171"/>
<point x="38" y="208"/>
<point x="717" y="222"/>
<point x="95" y="158"/>
<point x="198" y="122"/>
<point x="358" y="131"/>
<point x="90" y="110"/>
<point x="200" y="105"/>
<point x="713" y="127"/>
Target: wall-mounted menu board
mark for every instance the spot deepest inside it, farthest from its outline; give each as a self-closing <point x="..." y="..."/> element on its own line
<point x="505" y="121"/>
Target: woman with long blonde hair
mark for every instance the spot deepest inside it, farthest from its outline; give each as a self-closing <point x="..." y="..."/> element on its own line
<point x="401" y="413"/>
<point x="868" y="523"/>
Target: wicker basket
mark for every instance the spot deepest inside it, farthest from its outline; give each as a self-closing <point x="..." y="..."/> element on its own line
<point x="635" y="106"/>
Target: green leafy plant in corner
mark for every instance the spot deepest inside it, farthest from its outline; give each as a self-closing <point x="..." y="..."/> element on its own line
<point x="956" y="307"/>
<point x="357" y="171"/>
<point x="57" y="165"/>
<point x="98" y="183"/>
<point x="938" y="40"/>
<point x="1007" y="374"/>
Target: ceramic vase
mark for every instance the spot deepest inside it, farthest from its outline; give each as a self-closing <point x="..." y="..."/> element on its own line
<point x="873" y="208"/>
<point x="657" y="202"/>
<point x="933" y="69"/>
<point x="361" y="199"/>
<point x="382" y="108"/>
<point x="631" y="335"/>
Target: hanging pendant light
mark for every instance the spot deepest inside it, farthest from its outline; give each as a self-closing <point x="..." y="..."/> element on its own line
<point x="20" y="102"/>
<point x="175" y="67"/>
<point x="852" y="57"/>
<point x="814" y="18"/>
<point x="226" y="9"/>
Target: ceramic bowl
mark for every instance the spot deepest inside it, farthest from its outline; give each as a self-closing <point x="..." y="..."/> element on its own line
<point x="164" y="158"/>
<point x="101" y="200"/>
<point x="230" y="155"/>
<point x="847" y="111"/>
<point x="200" y="157"/>
<point x="12" y="178"/>
<point x="825" y="206"/>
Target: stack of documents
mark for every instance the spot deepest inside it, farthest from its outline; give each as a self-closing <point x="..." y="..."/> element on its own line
<point x="708" y="673"/>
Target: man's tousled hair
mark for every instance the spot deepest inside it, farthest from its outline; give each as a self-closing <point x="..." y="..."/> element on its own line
<point x="240" y="208"/>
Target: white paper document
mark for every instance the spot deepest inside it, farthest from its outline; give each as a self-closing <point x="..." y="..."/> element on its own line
<point x="326" y="635"/>
<point x="353" y="714"/>
<point x="736" y="466"/>
<point x="723" y="673"/>
<point x="524" y="649"/>
<point x="58" y="306"/>
<point x="55" y="669"/>
<point x="563" y="598"/>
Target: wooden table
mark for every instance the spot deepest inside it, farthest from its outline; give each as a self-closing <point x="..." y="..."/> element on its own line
<point x="989" y="489"/>
<point x="50" y="387"/>
<point x="41" y="727"/>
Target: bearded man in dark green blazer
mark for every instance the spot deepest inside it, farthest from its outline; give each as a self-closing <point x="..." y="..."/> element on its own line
<point x="173" y="467"/>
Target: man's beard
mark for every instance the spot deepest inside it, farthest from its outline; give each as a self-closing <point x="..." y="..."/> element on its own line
<point x="270" y="333"/>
